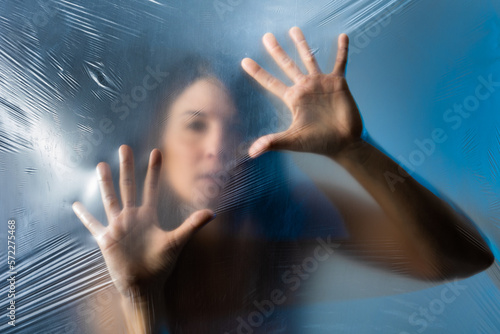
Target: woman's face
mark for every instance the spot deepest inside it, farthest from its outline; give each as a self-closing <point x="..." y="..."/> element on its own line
<point x="198" y="142"/>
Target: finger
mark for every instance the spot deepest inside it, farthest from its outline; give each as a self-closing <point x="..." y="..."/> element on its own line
<point x="92" y="224"/>
<point x="264" y="78"/>
<point x="127" y="178"/>
<point x="275" y="141"/>
<point x="304" y="51"/>
<point x="281" y="58"/>
<point x="194" y="222"/>
<point x="342" y="53"/>
<point x="108" y="195"/>
<point x="151" y="186"/>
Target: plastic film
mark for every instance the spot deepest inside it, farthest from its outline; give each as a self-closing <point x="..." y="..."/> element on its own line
<point x="172" y="167"/>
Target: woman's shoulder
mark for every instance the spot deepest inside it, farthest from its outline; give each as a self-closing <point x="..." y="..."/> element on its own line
<point x="319" y="214"/>
<point x="290" y="207"/>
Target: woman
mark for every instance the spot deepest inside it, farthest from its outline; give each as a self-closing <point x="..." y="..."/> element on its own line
<point x="430" y="240"/>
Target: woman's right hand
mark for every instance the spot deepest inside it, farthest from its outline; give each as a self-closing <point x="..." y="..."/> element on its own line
<point x="138" y="253"/>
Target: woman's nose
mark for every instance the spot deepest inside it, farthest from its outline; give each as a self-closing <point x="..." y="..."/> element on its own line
<point x="216" y="145"/>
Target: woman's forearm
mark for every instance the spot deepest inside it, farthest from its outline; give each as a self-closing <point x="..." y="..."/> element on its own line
<point x="431" y="238"/>
<point x="444" y="239"/>
<point x="144" y="313"/>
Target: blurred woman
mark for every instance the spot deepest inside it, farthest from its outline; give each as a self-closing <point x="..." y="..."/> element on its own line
<point x="237" y="258"/>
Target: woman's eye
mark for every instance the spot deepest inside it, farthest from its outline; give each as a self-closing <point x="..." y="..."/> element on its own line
<point x="197" y="126"/>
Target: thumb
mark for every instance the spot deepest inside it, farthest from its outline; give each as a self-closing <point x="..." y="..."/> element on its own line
<point x="274" y="141"/>
<point x="192" y="224"/>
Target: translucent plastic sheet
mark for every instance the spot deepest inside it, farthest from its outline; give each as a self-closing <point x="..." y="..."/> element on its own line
<point x="78" y="79"/>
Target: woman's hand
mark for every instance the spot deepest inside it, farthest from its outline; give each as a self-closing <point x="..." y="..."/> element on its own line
<point x="138" y="253"/>
<point x="325" y="118"/>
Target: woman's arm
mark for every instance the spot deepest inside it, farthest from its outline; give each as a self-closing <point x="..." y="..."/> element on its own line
<point x="144" y="312"/>
<point x="436" y="241"/>
<point x="429" y="239"/>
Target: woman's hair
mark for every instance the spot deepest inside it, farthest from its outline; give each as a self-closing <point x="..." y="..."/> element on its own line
<point x="253" y="108"/>
<point x="258" y="188"/>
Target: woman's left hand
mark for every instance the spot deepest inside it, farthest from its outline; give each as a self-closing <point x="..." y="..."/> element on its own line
<point x="325" y="118"/>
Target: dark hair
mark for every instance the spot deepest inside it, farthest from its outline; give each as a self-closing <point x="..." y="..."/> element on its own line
<point x="259" y="187"/>
<point x="254" y="109"/>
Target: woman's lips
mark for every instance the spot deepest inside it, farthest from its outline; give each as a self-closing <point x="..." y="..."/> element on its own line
<point x="215" y="177"/>
<point x="208" y="176"/>
<point x="205" y="177"/>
